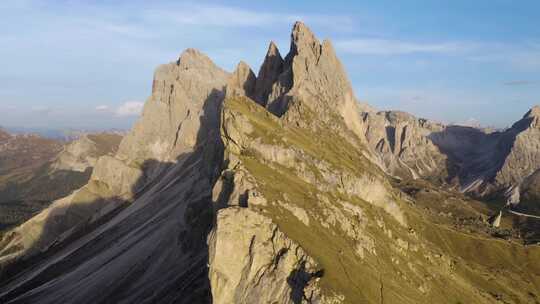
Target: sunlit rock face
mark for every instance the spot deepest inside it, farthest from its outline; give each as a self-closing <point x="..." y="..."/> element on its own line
<point x="481" y="162"/>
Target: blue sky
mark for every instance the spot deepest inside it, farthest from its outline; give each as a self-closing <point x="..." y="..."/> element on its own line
<point x="89" y="64"/>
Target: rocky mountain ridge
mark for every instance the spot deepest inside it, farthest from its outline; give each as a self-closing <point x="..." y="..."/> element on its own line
<point x="236" y="188"/>
<point x="482" y="163"/>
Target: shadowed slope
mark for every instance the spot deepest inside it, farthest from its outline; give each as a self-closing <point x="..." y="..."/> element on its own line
<point x="141" y="235"/>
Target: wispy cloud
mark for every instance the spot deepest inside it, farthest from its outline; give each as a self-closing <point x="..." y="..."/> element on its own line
<point x="524" y="56"/>
<point x="130" y="108"/>
<point x="521" y="56"/>
<point x="190" y="14"/>
<point x="518" y="83"/>
<point x="41" y="110"/>
<point x="398" y="47"/>
<point x="470" y="122"/>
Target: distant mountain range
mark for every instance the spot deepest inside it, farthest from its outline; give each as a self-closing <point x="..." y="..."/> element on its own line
<point x="60" y="134"/>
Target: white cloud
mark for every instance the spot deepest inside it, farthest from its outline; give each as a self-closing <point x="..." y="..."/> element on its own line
<point x="191" y="14"/>
<point x="471" y="122"/>
<point x="397" y="47"/>
<point x="519" y="83"/>
<point x="129" y="108"/>
<point x="41" y="110"/>
<point x="216" y="16"/>
<point x="520" y="56"/>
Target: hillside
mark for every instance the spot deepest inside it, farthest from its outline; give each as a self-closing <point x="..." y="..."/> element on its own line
<point x="35" y="171"/>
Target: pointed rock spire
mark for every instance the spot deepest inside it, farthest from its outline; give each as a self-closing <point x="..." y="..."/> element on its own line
<point x="182" y="92"/>
<point x="533" y="112"/>
<point x="303" y="40"/>
<point x="530" y="119"/>
<point x="319" y="79"/>
<point x="269" y="72"/>
<point x="242" y="81"/>
<point x="534" y="116"/>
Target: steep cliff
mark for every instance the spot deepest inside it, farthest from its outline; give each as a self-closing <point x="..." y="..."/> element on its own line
<point x="473" y="160"/>
<point x="137" y="231"/>
<point x="356" y="230"/>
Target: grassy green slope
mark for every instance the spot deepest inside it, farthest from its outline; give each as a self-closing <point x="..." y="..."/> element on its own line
<point x="422" y="262"/>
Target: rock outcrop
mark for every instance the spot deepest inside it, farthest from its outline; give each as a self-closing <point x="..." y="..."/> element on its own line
<point x="183" y="108"/>
<point x="145" y="212"/>
<point x="310" y="74"/>
<point x="266" y="267"/>
<point x="523" y="143"/>
<point x="269" y="73"/>
<point x="242" y="82"/>
<point x="473" y="160"/>
<point x="402" y="144"/>
<point x="83" y="152"/>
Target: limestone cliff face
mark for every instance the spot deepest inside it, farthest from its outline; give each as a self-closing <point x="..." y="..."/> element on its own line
<point x="151" y="199"/>
<point x="524" y="157"/>
<point x="528" y="194"/>
<point x="403" y="145"/>
<point x="269" y="73"/>
<point x="473" y="160"/>
<point x="183" y="94"/>
<point x="310" y="74"/>
<point x="252" y="261"/>
<point x="319" y="80"/>
<point x="242" y="81"/>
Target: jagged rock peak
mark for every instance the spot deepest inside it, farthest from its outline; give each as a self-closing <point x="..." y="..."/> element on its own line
<point x="269" y="72"/>
<point x="319" y="80"/>
<point x="243" y="69"/>
<point x="193" y="58"/>
<point x="303" y="39"/>
<point x="243" y="66"/>
<point x="533" y="112"/>
<point x="273" y="50"/>
<point x="530" y="119"/>
<point x="242" y="82"/>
